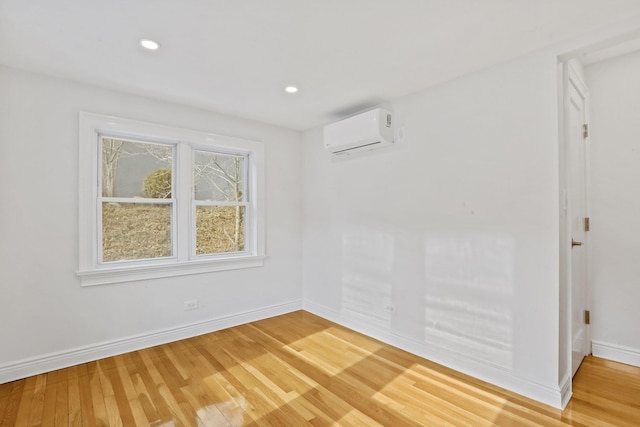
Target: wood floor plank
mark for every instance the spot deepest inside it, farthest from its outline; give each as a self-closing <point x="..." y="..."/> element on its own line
<point x="116" y="401"/>
<point x="61" y="409"/>
<point x="296" y="370"/>
<point x="26" y="400"/>
<point x="159" y="392"/>
<point x="5" y="399"/>
<point x="9" y="411"/>
<point x="48" y="415"/>
<point x="139" y="379"/>
<point x="98" y="400"/>
<point x="75" y="400"/>
<point x="231" y="402"/>
<point x="130" y="397"/>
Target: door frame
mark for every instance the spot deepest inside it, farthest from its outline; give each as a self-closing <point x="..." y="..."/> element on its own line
<point x="576" y="80"/>
<point x="567" y="75"/>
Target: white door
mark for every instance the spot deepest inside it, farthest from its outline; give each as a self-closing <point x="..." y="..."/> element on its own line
<point x="577" y="157"/>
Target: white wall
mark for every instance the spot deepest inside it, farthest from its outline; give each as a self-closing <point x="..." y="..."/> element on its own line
<point x="614" y="86"/>
<point x="43" y="309"/>
<point x="457" y="227"/>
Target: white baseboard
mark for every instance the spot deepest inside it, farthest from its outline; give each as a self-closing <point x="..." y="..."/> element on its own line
<point x="550" y="395"/>
<point x="566" y="390"/>
<point x="52" y="361"/>
<point x="617" y="353"/>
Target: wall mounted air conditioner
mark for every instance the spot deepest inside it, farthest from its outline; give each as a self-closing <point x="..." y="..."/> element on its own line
<point x="365" y="131"/>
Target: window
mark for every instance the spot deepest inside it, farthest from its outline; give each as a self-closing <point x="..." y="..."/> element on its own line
<point x="157" y="201"/>
<point x="219" y="202"/>
<point x="136" y="208"/>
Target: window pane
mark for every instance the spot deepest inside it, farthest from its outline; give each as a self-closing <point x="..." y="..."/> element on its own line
<point x="219" y="229"/>
<point x="135" y="231"/>
<point x="218" y="177"/>
<point x="136" y="169"/>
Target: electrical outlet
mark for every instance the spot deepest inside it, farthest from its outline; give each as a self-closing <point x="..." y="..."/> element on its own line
<point x="389" y="308"/>
<point x="191" y="304"/>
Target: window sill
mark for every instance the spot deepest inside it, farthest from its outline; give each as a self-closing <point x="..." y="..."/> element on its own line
<point x="134" y="273"/>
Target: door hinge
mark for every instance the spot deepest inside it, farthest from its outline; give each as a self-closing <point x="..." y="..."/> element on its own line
<point x="587" y="224"/>
<point x="585" y="130"/>
<point x="587" y="317"/>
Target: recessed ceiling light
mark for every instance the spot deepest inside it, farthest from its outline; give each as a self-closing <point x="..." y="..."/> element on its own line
<point x="291" y="89"/>
<point x="149" y="44"/>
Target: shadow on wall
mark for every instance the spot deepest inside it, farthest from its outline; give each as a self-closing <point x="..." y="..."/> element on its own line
<point x="469" y="284"/>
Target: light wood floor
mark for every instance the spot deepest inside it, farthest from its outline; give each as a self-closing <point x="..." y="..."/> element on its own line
<point x="297" y="370"/>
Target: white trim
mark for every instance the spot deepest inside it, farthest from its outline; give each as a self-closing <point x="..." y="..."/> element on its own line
<point x="573" y="79"/>
<point x="564" y="250"/>
<point x="617" y="353"/>
<point x="156" y="271"/>
<point x="84" y="354"/>
<point x="182" y="261"/>
<point x="566" y="390"/>
<point x="550" y="395"/>
<point x="576" y="80"/>
<point x="183" y="221"/>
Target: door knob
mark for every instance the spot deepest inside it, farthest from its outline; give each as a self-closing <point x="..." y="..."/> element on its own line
<point x="574" y="243"/>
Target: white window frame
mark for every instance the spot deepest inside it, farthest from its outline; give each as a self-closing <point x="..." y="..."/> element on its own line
<point x="183" y="261"/>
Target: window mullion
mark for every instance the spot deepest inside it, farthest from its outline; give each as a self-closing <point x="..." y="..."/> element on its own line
<point x="183" y="184"/>
<point x="138" y="200"/>
<point x="219" y="203"/>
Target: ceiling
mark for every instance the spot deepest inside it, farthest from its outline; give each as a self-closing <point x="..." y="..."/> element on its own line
<point x="236" y="56"/>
